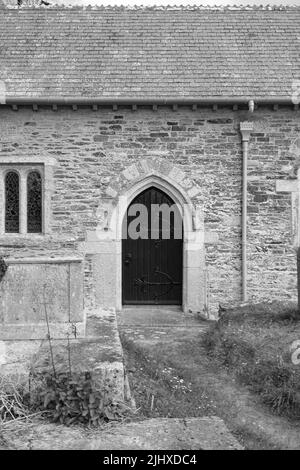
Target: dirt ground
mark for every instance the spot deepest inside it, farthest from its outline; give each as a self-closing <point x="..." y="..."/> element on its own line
<point x="171" y="375"/>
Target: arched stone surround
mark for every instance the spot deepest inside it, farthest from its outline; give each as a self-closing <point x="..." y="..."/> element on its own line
<point x="104" y="244"/>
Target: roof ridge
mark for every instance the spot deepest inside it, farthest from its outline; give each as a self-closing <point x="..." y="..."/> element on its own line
<point x="36" y="4"/>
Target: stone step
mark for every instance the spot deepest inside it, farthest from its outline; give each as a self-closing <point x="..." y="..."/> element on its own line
<point x="158" y="316"/>
<point x="205" y="433"/>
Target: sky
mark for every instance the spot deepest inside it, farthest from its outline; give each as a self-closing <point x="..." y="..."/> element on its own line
<point x="177" y="2"/>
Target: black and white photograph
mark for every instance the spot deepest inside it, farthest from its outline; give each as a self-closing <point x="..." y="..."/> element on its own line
<point x="149" y="229"/>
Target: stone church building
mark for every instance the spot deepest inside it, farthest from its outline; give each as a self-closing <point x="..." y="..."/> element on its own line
<point x="105" y="107"/>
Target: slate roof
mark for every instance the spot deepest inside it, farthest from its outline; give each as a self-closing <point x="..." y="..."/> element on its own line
<point x="149" y="52"/>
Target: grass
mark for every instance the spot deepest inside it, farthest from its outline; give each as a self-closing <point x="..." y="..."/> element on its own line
<point x="12" y="403"/>
<point x="156" y="363"/>
<point x="155" y="370"/>
<point x="254" y="343"/>
<point x="13" y="409"/>
<point x="160" y="390"/>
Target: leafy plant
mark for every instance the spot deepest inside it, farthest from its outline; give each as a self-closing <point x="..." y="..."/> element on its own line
<point x="68" y="396"/>
<point x="70" y="399"/>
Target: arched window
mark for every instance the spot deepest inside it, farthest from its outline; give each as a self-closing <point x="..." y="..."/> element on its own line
<point x="34" y="202"/>
<point x="12" y="202"/>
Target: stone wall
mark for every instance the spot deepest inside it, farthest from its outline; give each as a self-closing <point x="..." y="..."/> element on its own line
<point x="92" y="147"/>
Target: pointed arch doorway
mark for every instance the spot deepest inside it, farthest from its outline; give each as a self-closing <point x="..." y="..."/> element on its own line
<point x="152" y="250"/>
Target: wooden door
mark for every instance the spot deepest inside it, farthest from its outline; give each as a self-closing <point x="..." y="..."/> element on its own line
<point x="152" y="263"/>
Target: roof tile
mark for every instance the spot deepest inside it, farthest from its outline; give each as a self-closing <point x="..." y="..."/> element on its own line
<point x="147" y="53"/>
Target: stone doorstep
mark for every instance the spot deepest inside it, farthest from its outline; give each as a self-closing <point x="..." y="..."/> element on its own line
<point x="158" y="317"/>
<point x="205" y="433"/>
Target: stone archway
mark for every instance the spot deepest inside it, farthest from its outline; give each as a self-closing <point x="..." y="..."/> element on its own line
<point x="104" y="244"/>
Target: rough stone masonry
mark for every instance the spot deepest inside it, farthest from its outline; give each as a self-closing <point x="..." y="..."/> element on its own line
<point x="91" y="148"/>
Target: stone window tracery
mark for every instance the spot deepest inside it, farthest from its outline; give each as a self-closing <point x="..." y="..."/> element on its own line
<point x="26" y="188"/>
<point x="23" y="200"/>
<point x="12" y="202"/>
<point x="34" y="202"/>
